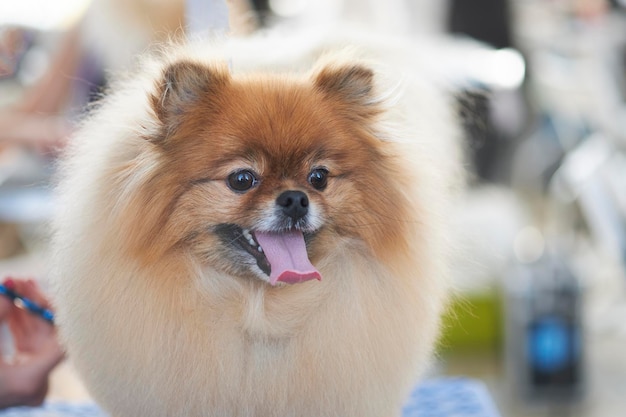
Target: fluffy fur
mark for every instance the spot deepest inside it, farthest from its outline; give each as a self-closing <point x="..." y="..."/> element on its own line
<point x="162" y="317"/>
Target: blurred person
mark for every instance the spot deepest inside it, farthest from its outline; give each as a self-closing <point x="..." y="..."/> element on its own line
<point x="106" y="39"/>
<point x="24" y="377"/>
<point x="37" y="120"/>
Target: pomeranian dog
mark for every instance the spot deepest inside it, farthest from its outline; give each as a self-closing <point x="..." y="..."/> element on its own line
<point x="257" y="230"/>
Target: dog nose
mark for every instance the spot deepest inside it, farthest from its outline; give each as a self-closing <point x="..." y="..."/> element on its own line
<point x="295" y="204"/>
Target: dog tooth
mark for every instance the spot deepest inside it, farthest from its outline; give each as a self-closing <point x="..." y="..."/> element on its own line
<point x="260" y="249"/>
<point x="246" y="234"/>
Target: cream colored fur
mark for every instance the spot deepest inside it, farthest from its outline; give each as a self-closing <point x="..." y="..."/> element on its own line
<point x="180" y="339"/>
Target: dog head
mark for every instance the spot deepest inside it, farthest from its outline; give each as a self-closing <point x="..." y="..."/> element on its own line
<point x="262" y="176"/>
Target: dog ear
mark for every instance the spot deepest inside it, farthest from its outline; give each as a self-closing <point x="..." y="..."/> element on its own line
<point x="353" y="84"/>
<point x="182" y="84"/>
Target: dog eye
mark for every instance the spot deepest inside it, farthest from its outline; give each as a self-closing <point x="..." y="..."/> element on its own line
<point x="318" y="178"/>
<point x="242" y="180"/>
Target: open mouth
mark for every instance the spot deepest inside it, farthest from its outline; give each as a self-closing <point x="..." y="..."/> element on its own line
<point x="282" y="256"/>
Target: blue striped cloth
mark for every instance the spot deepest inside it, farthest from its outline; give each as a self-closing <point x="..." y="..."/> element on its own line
<point x="55" y="409"/>
<point x="450" y="397"/>
<point x="444" y="397"/>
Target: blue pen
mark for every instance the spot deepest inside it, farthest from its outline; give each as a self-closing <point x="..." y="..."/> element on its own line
<point x="27" y="304"/>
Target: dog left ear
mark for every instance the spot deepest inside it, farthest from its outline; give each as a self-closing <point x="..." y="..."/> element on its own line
<point x="182" y="84"/>
<point x="353" y="84"/>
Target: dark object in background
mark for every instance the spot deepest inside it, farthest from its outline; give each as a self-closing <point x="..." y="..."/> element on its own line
<point x="473" y="109"/>
<point x="617" y="4"/>
<point x="544" y="340"/>
<point x="553" y="348"/>
<point x="263" y="11"/>
<point x="484" y="20"/>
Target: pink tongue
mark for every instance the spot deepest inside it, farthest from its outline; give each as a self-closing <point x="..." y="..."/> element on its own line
<point x="286" y="253"/>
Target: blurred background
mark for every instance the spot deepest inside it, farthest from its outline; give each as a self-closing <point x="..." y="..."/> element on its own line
<point x="540" y="309"/>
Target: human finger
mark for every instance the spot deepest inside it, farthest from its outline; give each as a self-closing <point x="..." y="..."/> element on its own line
<point x="29" y="331"/>
<point x="31" y="290"/>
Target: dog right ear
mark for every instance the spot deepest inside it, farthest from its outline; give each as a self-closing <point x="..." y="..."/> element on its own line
<point x="183" y="84"/>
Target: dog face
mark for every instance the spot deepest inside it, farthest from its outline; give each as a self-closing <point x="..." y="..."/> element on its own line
<point x="263" y="176"/>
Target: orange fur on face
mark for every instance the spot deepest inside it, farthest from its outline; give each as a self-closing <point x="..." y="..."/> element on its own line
<point x="282" y="128"/>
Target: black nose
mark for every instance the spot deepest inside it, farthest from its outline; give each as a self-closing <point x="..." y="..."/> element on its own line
<point x="295" y="204"/>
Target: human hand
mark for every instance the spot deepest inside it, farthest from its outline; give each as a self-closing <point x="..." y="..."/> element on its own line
<point x="24" y="378"/>
<point x="46" y="134"/>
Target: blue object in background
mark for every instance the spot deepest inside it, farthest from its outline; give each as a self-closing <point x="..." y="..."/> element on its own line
<point x="445" y="397"/>
<point x="551" y="345"/>
<point x="554" y="352"/>
<point x="27" y="304"/>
